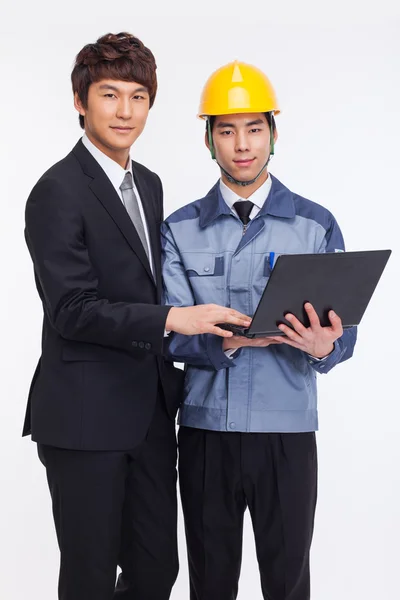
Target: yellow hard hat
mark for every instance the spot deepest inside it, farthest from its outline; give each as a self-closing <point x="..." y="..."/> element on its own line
<point x="237" y="88"/>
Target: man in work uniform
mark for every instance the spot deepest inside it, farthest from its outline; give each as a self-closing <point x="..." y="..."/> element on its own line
<point x="248" y="422"/>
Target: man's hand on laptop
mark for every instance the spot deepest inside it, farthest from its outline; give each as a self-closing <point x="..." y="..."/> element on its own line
<point x="315" y="340"/>
<point x="239" y="341"/>
<point x="192" y="320"/>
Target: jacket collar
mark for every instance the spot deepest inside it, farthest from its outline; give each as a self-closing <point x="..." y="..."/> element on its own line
<point x="278" y="204"/>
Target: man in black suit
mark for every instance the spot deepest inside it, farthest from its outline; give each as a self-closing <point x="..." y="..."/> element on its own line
<point x="103" y="400"/>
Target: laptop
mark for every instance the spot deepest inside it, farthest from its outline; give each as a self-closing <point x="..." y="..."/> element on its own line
<point x="340" y="281"/>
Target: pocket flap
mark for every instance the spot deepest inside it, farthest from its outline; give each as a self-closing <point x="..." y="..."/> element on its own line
<point x="203" y="265"/>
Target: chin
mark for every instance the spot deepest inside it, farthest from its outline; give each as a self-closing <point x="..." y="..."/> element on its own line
<point x="121" y="144"/>
<point x="241" y="176"/>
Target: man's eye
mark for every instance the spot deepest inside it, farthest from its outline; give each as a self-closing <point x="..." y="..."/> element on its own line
<point x="109" y="95"/>
<point x="226" y="133"/>
<point x="254" y="130"/>
<point x="139" y="97"/>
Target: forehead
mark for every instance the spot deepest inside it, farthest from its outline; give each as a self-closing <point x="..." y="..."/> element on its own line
<point x="119" y="85"/>
<point x="240" y="120"/>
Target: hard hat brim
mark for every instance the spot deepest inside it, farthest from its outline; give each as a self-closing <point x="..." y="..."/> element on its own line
<point x="240" y="111"/>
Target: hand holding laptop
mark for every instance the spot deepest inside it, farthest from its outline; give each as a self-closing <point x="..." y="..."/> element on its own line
<point x="344" y="281"/>
<point x="315" y="340"/>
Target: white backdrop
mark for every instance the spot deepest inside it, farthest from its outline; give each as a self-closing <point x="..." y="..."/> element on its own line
<point x="337" y="79"/>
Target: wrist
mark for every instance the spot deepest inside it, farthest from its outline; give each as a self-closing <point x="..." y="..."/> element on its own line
<point x="227" y="344"/>
<point x="232" y="343"/>
<point x="322" y="355"/>
<point x="170" y="322"/>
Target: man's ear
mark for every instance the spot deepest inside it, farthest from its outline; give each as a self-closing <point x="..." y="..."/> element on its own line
<point x="275" y="134"/>
<point x="78" y="105"/>
<point x="206" y="139"/>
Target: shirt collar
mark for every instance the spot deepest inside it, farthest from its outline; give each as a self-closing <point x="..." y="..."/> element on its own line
<point x="112" y="169"/>
<point x="258" y="197"/>
<point x="279" y="203"/>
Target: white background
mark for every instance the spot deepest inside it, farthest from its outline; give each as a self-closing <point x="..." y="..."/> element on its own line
<point x="336" y="71"/>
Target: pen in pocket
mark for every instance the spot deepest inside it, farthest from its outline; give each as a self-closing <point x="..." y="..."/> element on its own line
<point x="271" y="260"/>
<point x="269" y="263"/>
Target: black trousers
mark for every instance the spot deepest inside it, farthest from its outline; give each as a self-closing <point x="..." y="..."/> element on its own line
<point x="117" y="508"/>
<point x="275" y="476"/>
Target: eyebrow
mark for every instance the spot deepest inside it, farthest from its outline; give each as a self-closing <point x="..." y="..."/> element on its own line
<point x="109" y="86"/>
<point x="223" y="124"/>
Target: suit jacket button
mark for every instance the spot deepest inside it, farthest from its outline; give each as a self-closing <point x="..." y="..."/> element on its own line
<point x="148" y="346"/>
<point x="141" y="345"/>
<point x="134" y="344"/>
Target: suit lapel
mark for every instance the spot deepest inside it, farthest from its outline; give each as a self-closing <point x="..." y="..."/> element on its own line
<point x="103" y="189"/>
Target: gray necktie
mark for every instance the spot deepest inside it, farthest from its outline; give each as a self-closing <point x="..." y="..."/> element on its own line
<point x="132" y="207"/>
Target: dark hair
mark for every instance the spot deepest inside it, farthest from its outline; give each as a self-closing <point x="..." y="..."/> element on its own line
<point x="118" y="56"/>
<point x="268" y="115"/>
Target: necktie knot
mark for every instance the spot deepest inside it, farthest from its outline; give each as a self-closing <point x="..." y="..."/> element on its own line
<point x="127" y="183"/>
<point x="243" y="209"/>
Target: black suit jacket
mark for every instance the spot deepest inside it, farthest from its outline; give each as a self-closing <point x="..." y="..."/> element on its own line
<point x="101" y="367"/>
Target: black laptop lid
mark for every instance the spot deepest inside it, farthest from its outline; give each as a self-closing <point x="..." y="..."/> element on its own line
<point x="342" y="281"/>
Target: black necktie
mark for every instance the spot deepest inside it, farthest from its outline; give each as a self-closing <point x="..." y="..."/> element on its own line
<point x="243" y="209"/>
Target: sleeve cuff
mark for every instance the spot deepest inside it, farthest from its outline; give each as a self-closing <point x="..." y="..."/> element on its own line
<point x="323" y="365"/>
<point x="231" y="352"/>
<point x="318" y="359"/>
<point x="218" y="358"/>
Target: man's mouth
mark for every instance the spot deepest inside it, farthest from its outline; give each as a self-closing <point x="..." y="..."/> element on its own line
<point x="244" y="162"/>
<point x="122" y="129"/>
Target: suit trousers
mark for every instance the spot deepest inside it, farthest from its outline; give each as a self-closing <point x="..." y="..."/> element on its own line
<point x="117" y="508"/>
<point x="275" y="476"/>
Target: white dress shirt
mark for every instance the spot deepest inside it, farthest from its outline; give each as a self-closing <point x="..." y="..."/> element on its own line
<point x="116" y="174"/>
<point x="258" y="197"/>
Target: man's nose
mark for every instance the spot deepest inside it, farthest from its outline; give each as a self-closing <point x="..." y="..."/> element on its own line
<point x="124" y="109"/>
<point x="242" y="143"/>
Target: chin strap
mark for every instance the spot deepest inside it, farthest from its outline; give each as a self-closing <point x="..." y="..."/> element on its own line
<point x="237" y="181"/>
